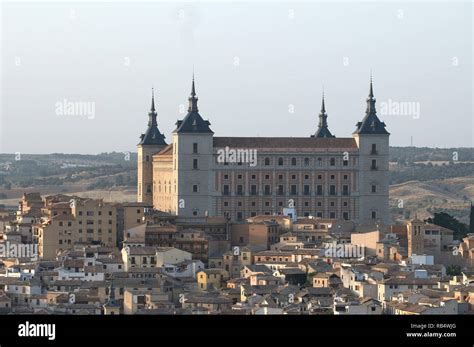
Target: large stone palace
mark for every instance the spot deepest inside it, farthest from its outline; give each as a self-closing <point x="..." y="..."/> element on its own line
<point x="199" y="174"/>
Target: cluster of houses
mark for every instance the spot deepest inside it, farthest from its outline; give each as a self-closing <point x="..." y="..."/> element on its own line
<point x="271" y="264"/>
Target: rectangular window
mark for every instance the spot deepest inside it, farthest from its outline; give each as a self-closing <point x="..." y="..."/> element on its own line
<point x="374" y="188"/>
<point x="195" y="188"/>
<point x="253" y="189"/>
<point x="195" y="147"/>
<point x="195" y="164"/>
<point x="294" y="190"/>
<point x="240" y="189"/>
<point x="332" y="189"/>
<point x="226" y="190"/>
<point x="319" y="189"/>
<point x="267" y="190"/>
<point x="373" y="166"/>
<point x="281" y="190"/>
<point x="373" y="150"/>
<point x="306" y="190"/>
<point x="345" y="189"/>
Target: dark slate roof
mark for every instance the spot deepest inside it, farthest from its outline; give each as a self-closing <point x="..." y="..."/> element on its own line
<point x="152" y="136"/>
<point x="323" y="132"/>
<point x="371" y="124"/>
<point x="193" y="123"/>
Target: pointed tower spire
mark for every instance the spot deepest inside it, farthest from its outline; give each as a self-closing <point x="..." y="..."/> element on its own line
<point x="193" y="88"/>
<point x="323" y="106"/>
<point x="323" y="130"/>
<point x="152" y="114"/>
<point x="323" y="117"/>
<point x="152" y="99"/>
<point x="193" y="98"/>
<point x="371" y="91"/>
<point x="371" y="100"/>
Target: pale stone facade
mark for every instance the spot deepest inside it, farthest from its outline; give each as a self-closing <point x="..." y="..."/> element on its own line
<point x="199" y="174"/>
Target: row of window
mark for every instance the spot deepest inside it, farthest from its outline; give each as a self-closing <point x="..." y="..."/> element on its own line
<point x="281" y="177"/>
<point x="91" y="213"/>
<point x="282" y="204"/>
<point x="91" y="231"/>
<point x="267" y="162"/>
<point x="91" y="222"/>
<point x="90" y="239"/>
<point x="280" y="190"/>
<point x="144" y="260"/>
<point x="88" y="222"/>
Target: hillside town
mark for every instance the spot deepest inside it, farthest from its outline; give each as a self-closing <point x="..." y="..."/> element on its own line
<point x="64" y="254"/>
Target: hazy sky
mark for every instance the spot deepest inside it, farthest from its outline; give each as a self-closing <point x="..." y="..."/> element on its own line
<point x="260" y="69"/>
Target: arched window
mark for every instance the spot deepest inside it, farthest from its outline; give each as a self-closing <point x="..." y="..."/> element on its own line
<point x="320" y="162"/>
<point x="306" y="161"/>
<point x="280" y="161"/>
<point x="333" y="161"/>
<point x="293" y="161"/>
<point x="267" y="161"/>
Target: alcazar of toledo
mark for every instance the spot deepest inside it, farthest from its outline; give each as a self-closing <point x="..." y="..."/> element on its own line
<point x="199" y="174"/>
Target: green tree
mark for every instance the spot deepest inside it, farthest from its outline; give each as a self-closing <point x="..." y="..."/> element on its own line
<point x="453" y="270"/>
<point x="445" y="220"/>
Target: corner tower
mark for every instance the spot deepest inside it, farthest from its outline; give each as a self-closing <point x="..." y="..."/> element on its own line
<point x="373" y="141"/>
<point x="151" y="142"/>
<point x="193" y="162"/>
